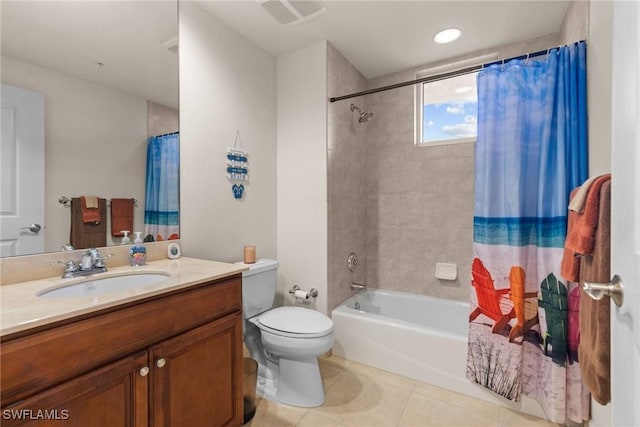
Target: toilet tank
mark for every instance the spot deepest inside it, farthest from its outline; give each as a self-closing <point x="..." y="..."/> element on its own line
<point x="259" y="287"/>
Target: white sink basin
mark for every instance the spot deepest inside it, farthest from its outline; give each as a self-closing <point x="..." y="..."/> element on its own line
<point x="104" y="285"/>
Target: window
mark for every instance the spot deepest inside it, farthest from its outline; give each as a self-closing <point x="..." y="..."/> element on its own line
<point x="448" y="110"/>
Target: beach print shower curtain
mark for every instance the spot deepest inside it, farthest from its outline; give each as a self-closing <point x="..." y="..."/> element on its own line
<point x="531" y="152"/>
<point x="162" y="203"/>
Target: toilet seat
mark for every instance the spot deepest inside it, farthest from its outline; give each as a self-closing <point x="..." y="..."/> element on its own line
<point x="294" y="322"/>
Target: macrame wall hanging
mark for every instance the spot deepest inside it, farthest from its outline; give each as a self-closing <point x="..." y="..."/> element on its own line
<point x="237" y="167"/>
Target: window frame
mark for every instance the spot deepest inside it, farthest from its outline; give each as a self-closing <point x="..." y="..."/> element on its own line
<point x="419" y="97"/>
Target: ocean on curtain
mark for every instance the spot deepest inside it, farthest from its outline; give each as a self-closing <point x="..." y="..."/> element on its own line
<point x="162" y="204"/>
<point x="531" y="152"/>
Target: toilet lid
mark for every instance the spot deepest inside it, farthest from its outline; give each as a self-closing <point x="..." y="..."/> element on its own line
<point x="297" y="320"/>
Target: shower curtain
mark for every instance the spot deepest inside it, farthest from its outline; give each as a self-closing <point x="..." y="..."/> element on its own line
<point x="531" y="152"/>
<point x="162" y="204"/>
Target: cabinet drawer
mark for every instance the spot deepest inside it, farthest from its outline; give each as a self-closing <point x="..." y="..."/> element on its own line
<point x="43" y="359"/>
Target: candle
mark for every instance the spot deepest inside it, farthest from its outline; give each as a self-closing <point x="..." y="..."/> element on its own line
<point x="249" y="254"/>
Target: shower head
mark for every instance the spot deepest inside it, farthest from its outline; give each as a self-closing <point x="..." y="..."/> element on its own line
<point x="365" y="116"/>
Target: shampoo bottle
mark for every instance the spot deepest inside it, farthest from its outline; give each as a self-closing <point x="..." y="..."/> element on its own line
<point x="137" y="252"/>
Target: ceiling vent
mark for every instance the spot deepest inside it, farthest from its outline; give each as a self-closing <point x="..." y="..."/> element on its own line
<point x="291" y="12"/>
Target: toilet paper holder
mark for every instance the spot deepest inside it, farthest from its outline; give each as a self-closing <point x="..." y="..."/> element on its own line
<point x="313" y="292"/>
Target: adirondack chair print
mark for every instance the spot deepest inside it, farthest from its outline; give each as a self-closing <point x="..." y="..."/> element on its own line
<point x="489" y="297"/>
<point x="526" y="311"/>
<point x="573" y="340"/>
<point x="554" y="303"/>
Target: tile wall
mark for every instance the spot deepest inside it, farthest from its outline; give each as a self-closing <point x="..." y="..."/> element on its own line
<point x="419" y="200"/>
<point x="401" y="208"/>
<point x="346" y="176"/>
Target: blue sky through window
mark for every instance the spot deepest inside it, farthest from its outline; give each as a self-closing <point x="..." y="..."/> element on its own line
<point x="450" y="120"/>
<point x="450" y="109"/>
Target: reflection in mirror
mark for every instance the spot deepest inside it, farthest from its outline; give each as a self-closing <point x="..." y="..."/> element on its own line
<point x="107" y="73"/>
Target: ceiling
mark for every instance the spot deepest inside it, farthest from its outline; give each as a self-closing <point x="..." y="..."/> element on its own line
<point x="71" y="37"/>
<point x="377" y="37"/>
<point x="382" y="37"/>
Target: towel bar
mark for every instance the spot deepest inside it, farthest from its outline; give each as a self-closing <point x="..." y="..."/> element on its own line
<point x="614" y="289"/>
<point x="66" y="201"/>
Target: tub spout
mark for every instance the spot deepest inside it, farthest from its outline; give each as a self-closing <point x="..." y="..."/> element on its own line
<point x="357" y="286"/>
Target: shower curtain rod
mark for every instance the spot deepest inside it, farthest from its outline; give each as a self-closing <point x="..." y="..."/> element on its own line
<point x="166" y="134"/>
<point x="438" y="77"/>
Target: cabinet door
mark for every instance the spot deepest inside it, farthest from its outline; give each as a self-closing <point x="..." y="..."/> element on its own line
<point x="196" y="377"/>
<point x="112" y="396"/>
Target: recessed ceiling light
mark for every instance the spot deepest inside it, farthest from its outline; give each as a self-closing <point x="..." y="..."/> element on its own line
<point x="463" y="89"/>
<point x="447" y="36"/>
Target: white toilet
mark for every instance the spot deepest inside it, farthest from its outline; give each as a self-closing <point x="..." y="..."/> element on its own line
<point x="285" y="341"/>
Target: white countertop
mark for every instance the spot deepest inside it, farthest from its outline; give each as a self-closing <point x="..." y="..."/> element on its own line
<point x="22" y="309"/>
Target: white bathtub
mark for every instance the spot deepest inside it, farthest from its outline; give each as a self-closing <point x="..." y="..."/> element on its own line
<point x="419" y="337"/>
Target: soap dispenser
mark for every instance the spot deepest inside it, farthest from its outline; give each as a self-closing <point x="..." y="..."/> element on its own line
<point x="137" y="252"/>
<point x="125" y="239"/>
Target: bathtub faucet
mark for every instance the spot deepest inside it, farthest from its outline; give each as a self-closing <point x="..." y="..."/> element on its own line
<point x="357" y="286"/>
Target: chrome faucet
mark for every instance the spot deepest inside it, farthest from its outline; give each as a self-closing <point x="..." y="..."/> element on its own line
<point x="91" y="262"/>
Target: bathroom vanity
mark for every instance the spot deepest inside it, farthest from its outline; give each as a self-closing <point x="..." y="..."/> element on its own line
<point x="170" y="355"/>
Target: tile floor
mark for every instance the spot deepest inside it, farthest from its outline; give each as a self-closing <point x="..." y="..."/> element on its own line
<point x="361" y="396"/>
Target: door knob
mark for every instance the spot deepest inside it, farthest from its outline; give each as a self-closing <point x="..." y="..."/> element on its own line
<point x="144" y="371"/>
<point x="614" y="289"/>
<point x="161" y="362"/>
<point x="34" y="228"/>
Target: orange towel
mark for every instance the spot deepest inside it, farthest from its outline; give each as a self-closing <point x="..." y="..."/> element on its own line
<point x="583" y="225"/>
<point x="581" y="228"/>
<point x="570" y="267"/>
<point x="121" y="216"/>
<point x="90" y="215"/>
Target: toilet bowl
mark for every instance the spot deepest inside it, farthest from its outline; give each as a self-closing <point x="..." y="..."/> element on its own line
<point x="291" y="338"/>
<point x="285" y="341"/>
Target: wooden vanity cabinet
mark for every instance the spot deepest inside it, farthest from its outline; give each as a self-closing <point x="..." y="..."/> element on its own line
<point x="193" y="377"/>
<point x="114" y="395"/>
<point x="185" y="370"/>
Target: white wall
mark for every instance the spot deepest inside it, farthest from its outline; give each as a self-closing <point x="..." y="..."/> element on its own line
<point x="95" y="143"/>
<point x="599" y="85"/>
<point x="302" y="171"/>
<point x="226" y="84"/>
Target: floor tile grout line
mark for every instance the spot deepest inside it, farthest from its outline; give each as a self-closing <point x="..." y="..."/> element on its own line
<point x="404" y="407"/>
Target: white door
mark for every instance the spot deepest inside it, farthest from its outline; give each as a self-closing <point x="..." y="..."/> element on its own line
<point x="21" y="172"/>
<point x="625" y="213"/>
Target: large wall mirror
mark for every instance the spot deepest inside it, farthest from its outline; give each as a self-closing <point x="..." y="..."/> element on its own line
<point x="107" y="73"/>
